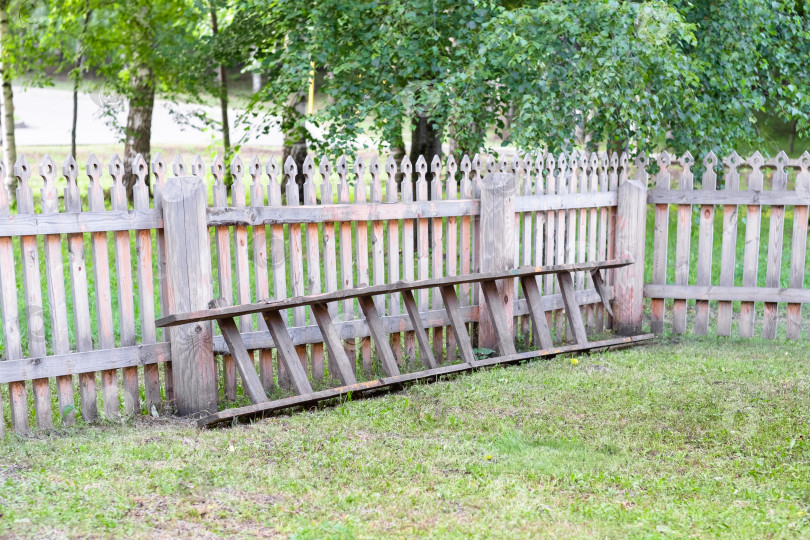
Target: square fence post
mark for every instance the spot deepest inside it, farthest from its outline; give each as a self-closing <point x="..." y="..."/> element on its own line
<point x="497" y="241"/>
<point x="631" y="224"/>
<point x="190" y="288"/>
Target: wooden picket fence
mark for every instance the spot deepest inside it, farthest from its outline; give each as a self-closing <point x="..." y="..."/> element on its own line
<point x="353" y="226"/>
<point x="744" y="206"/>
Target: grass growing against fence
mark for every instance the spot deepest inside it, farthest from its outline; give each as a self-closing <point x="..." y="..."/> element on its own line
<point x="697" y="437"/>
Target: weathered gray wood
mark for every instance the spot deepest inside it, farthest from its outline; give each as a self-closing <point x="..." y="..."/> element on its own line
<point x="602" y="242"/>
<point x="63" y="365"/>
<point x="682" y="242"/>
<point x="539" y="230"/>
<point x="551" y="217"/>
<point x="497" y="248"/>
<point x="401" y="323"/>
<point x="378" y="334"/>
<point x="126" y="293"/>
<point x="338" y="360"/>
<point x="705" y="244"/>
<point x="744" y="197"/>
<point x="81" y="298"/>
<point x="660" y="243"/>
<point x="728" y="250"/>
<point x="572" y="310"/>
<point x="79" y="222"/>
<point x="775" y="241"/>
<point x="222" y="238"/>
<point x="422" y="237"/>
<point x="534" y="302"/>
<point x="159" y="172"/>
<point x="313" y="261"/>
<point x="465" y="249"/>
<point x="11" y="326"/>
<point x="753" y="224"/>
<point x="346" y="258"/>
<point x="296" y="254"/>
<point x="452" y="306"/>
<point x="146" y="292"/>
<point x="260" y="257"/>
<point x="437" y="251"/>
<point x="244" y="361"/>
<point x="287" y="353"/>
<point x="560" y="244"/>
<point x="33" y="296"/>
<point x="277" y="250"/>
<point x="409" y="344"/>
<point x="500" y="319"/>
<point x="377" y="242"/>
<point x="393" y="262"/>
<point x="631" y="218"/>
<point x="425" y="352"/>
<point x="330" y="269"/>
<point x="190" y="282"/>
<point x="613" y="185"/>
<point x="601" y="288"/>
<point x="593" y="242"/>
<point x="452" y="250"/>
<point x="57" y="300"/>
<point x="729" y="294"/>
<point x="356" y="292"/>
<point x="253" y="411"/>
<point x="361" y="261"/>
<point x="799" y="248"/>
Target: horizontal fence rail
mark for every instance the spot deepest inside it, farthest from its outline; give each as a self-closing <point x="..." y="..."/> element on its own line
<point x="83" y="265"/>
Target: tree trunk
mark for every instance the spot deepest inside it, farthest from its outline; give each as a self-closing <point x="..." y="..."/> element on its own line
<point x="76" y="80"/>
<point x="139" y="124"/>
<point x="426" y="140"/>
<point x="397" y="146"/>
<point x="792" y="137"/>
<point x="295" y="139"/>
<point x="7" y="105"/>
<point x="223" y="95"/>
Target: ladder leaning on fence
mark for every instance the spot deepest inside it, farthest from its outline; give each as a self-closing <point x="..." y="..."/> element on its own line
<point x="271" y="311"/>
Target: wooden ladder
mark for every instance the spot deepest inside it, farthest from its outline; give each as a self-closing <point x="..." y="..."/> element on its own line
<point x="271" y="311"/>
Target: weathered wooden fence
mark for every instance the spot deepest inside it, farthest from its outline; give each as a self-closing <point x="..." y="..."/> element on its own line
<point x="351" y="227"/>
<point x="749" y="221"/>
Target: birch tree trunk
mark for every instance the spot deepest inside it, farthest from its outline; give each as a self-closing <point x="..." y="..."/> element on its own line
<point x="7" y="103"/>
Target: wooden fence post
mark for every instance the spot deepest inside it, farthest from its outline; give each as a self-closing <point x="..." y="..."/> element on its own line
<point x="631" y="223"/>
<point x="188" y="265"/>
<point x="497" y="241"/>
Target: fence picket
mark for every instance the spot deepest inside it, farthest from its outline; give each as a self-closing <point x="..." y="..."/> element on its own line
<point x="101" y="278"/>
<point x="729" y="246"/>
<point x="452" y="250"/>
<point x="159" y="171"/>
<point x="660" y="241"/>
<point x="346" y="259"/>
<point x="377" y="242"/>
<point x="582" y="233"/>
<point x="798" y="248"/>
<point x="126" y="297"/>
<point x="465" y="190"/>
<point x="422" y="236"/>
<point x="279" y="257"/>
<point x="437" y="251"/>
<point x="222" y="241"/>
<point x="539" y="230"/>
<point x="753" y="225"/>
<point x="260" y="277"/>
<point x="18" y="395"/>
<point x="775" y="240"/>
<point x="329" y="253"/>
<point x="682" y="243"/>
<point x="592" y="242"/>
<point x="313" y="261"/>
<point x="146" y="297"/>
<point x="361" y="238"/>
<point x="392" y="230"/>
<point x="602" y="242"/>
<point x="54" y="272"/>
<point x="705" y="240"/>
<point x="408" y="248"/>
<point x="296" y="253"/>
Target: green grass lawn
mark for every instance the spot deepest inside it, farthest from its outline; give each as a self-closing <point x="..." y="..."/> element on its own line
<point x="703" y="437"/>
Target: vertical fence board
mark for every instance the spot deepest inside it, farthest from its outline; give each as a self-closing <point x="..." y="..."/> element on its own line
<point x="728" y="250"/>
<point x="465" y="189"/>
<point x="146" y="296"/>
<point x="775" y="241"/>
<point x="592" y="242"/>
<point x="224" y="272"/>
<point x="378" y="245"/>
<point x="705" y="241"/>
<point x="361" y="262"/>
<point x="551" y="221"/>
<point x="660" y="242"/>
<point x="313" y="260"/>
<point x="437" y="252"/>
<point x="799" y="247"/>
<point x="452" y="251"/>
<point x="296" y="253"/>
<point x="753" y="225"/>
<point x="336" y="365"/>
<point x="392" y="229"/>
<point x="682" y="244"/>
<point x="159" y="171"/>
<point x="346" y="260"/>
<point x="539" y="244"/>
<point x="261" y="280"/>
<point x="55" y="275"/>
<point x="602" y="242"/>
<point x="279" y="257"/>
<point x="18" y="396"/>
<point x="422" y="238"/>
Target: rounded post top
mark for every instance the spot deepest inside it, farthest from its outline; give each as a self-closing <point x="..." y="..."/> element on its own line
<point x="504" y="183"/>
<point x="181" y="188"/>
